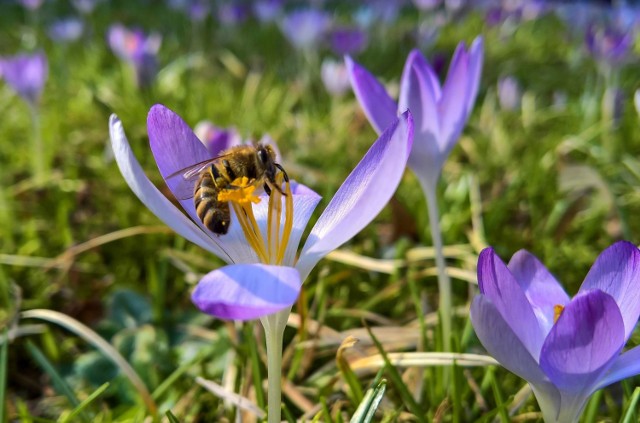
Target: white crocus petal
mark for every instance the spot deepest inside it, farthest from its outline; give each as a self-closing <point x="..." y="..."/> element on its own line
<point x="149" y="194"/>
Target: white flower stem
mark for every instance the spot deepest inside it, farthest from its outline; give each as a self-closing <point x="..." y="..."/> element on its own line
<point x="444" y="283"/>
<point x="274" y="325"/>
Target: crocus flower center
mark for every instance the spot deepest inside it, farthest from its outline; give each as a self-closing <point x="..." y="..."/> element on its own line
<point x="241" y="196"/>
<point x="557" y="312"/>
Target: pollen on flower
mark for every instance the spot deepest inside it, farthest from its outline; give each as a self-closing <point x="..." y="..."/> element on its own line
<point x="240" y="192"/>
<point x="557" y="312"/>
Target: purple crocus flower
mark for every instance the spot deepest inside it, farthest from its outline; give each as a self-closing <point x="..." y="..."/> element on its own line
<point x="509" y="94"/>
<point x="66" y="30"/>
<point x="335" y="77"/>
<point x="268" y="10"/>
<point x="26" y="74"/>
<point x="260" y="279"/>
<point x="305" y="28"/>
<point x="608" y="44"/>
<point x="346" y="40"/>
<point x="440" y="112"/>
<point x="565" y="348"/>
<point x="136" y="48"/>
<point x="216" y="139"/>
<point x="233" y="14"/>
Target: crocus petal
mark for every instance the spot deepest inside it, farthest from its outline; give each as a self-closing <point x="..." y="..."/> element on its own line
<point x="502" y="343"/>
<point x="455" y="92"/>
<point x="498" y="284"/>
<point x="362" y="195"/>
<point x="542" y="290"/>
<point x="583" y="343"/>
<point x="247" y="291"/>
<point x="476" y="56"/>
<point x="626" y="365"/>
<point x="379" y="108"/>
<point x="149" y="194"/>
<point x="176" y="147"/>
<point x="416" y="94"/>
<point x="616" y="271"/>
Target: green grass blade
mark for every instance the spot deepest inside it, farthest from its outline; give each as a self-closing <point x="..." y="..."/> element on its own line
<point x="171" y="417"/>
<point x="85" y="403"/>
<point x="396" y="378"/>
<point x="367" y="409"/>
<point x="255" y="364"/>
<point x="58" y="382"/>
<point x="630" y="415"/>
<point x="3" y="372"/>
<point x="593" y="405"/>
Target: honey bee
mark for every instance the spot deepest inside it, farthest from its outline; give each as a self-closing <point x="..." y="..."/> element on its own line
<point x="203" y="181"/>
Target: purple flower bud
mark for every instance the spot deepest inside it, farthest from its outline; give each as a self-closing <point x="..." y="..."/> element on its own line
<point x="335" y="77"/>
<point x="66" y="30"/>
<point x="509" y="94"/>
<point x="608" y="44"/>
<point x="26" y="74"/>
<point x="305" y="28"/>
<point x="348" y="41"/>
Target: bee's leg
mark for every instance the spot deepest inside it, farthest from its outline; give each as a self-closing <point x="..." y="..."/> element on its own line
<point x="284" y="173"/>
<point x="267" y="189"/>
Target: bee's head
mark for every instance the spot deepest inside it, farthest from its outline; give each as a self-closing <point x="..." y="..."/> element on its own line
<point x="267" y="156"/>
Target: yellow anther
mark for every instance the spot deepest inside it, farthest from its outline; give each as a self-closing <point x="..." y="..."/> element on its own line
<point x="557" y="312"/>
<point x="241" y="192"/>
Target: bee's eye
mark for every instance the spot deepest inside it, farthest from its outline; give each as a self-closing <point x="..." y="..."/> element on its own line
<point x="264" y="157"/>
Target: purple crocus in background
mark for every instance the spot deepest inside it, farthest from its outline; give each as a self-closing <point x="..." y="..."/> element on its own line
<point x="66" y="30"/>
<point x="345" y="40"/>
<point x="216" y="139"/>
<point x="137" y="49"/>
<point x="335" y="77"/>
<point x="262" y="280"/>
<point x="509" y="93"/>
<point x="26" y="74"/>
<point x="566" y="348"/>
<point x="268" y="10"/>
<point x="608" y="44"/>
<point x="305" y="28"/>
<point x="440" y="113"/>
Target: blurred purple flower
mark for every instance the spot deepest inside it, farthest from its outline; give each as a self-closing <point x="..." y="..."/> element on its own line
<point x="32" y="4"/>
<point x="440" y="112"/>
<point x="199" y="10"/>
<point x="26" y="74"/>
<point x="256" y="283"/>
<point x="85" y="7"/>
<point x="216" y="139"/>
<point x="608" y="44"/>
<point x="305" y="28"/>
<point x="138" y="49"/>
<point x="335" y="77"/>
<point x="566" y="349"/>
<point x="348" y="40"/>
<point x="233" y="13"/>
<point x="426" y="5"/>
<point x="509" y="94"/>
<point x="268" y="10"/>
<point x="66" y="30"/>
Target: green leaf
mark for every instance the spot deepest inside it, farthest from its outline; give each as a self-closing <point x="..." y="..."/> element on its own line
<point x="85" y="403"/>
<point x="367" y="408"/>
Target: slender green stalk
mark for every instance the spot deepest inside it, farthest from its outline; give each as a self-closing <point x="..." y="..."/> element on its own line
<point x="444" y="283"/>
<point x="38" y="153"/>
<point x="274" y="325"/>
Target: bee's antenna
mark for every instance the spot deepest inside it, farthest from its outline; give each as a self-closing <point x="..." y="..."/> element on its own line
<point x="284" y="172"/>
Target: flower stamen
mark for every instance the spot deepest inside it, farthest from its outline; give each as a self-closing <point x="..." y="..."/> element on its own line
<point x="557" y="312"/>
<point x="241" y="196"/>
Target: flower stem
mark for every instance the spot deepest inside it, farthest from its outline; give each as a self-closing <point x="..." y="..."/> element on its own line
<point x="444" y="283"/>
<point x="274" y="325"/>
<point x="38" y="155"/>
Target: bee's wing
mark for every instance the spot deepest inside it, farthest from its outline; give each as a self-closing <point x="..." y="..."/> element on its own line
<point x="182" y="182"/>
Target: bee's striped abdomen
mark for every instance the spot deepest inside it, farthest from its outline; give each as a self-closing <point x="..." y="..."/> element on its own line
<point x="214" y="214"/>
